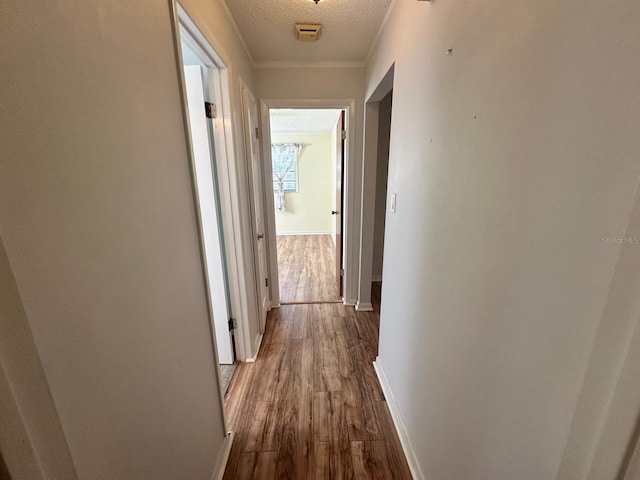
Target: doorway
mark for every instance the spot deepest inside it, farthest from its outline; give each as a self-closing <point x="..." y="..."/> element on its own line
<point x="380" y="204"/>
<point x="307" y="155"/>
<point x="202" y="91"/>
<point x="377" y="202"/>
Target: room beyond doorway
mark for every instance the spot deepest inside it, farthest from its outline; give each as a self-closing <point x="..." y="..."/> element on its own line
<point x="307" y="150"/>
<point x="306" y="269"/>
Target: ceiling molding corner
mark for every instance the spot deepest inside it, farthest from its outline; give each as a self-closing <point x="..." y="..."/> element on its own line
<point x="238" y="33"/>
<point x="279" y="64"/>
<point x="380" y="29"/>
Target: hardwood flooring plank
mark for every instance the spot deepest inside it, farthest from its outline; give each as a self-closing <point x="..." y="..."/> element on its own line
<point x="311" y="407"/>
<point x="256" y="466"/>
<point x="371" y="381"/>
<point x="363" y="423"/>
<point x="326" y="366"/>
<point x="306" y="268"/>
<point x="303" y="450"/>
<point x="303" y="318"/>
<point x="237" y="391"/>
<point x="330" y="428"/>
<point x="277" y="410"/>
<point x="293" y="439"/>
<point x="321" y="455"/>
<point x="397" y="461"/>
<point x="233" y="462"/>
<point x="370" y="460"/>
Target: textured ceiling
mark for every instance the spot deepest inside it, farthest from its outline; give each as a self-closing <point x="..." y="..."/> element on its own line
<point x="285" y="120"/>
<point x="349" y="28"/>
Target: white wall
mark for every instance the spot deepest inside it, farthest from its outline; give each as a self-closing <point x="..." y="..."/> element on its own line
<point x="309" y="209"/>
<point x="98" y="221"/>
<point x="320" y="84"/>
<point x="511" y="159"/>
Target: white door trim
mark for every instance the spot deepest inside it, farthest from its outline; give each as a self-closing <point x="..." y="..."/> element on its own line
<point x="228" y="147"/>
<point x="200" y="89"/>
<point x="204" y="44"/>
<point x="350" y="216"/>
<point x="246" y="94"/>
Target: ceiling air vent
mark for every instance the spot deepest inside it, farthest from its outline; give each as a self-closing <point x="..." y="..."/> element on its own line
<point x="307" y="32"/>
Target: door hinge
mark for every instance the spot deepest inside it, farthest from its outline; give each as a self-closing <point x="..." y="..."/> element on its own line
<point x="344" y="134"/>
<point x="210" y="109"/>
<point x="257" y="133"/>
<point x="266" y="282"/>
<point x="342" y="272"/>
<point x="232" y="324"/>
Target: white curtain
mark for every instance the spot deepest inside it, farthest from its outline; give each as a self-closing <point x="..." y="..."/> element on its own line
<point x="285" y="159"/>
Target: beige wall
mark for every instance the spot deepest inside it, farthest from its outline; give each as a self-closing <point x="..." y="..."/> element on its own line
<point x="511" y="158"/>
<point x="98" y="221"/>
<point x="607" y="411"/>
<point x="31" y="438"/>
<point x="309" y="209"/>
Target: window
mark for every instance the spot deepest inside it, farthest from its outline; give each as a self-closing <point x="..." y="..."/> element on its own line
<point x="285" y="170"/>
<point x="285" y="166"/>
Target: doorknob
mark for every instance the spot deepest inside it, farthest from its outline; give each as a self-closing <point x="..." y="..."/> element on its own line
<point x="333" y="212"/>
<point x="260" y="235"/>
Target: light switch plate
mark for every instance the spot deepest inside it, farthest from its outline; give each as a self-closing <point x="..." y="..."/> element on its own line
<point x="393" y="203"/>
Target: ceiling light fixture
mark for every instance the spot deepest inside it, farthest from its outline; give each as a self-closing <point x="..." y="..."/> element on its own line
<point x="316" y="1"/>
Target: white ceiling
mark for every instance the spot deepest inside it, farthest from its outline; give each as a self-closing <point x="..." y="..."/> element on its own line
<point x="285" y="120"/>
<point x="349" y="28"/>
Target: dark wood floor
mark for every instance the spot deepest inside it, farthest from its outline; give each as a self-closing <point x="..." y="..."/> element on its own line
<point x="307" y="269"/>
<point x="311" y="407"/>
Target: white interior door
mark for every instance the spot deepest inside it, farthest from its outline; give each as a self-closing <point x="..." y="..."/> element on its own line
<point x="209" y="214"/>
<point x="250" y="109"/>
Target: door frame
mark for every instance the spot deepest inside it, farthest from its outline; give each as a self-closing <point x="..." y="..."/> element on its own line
<point x="254" y="234"/>
<point x="231" y="174"/>
<point x="369" y="168"/>
<point x="227" y="139"/>
<point x="350" y="258"/>
<point x="214" y="250"/>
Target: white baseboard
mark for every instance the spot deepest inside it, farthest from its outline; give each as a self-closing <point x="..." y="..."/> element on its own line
<point x="256" y="348"/>
<point x="223" y="458"/>
<point x="364" y="307"/>
<point x="409" y="453"/>
<point x="281" y="234"/>
<point x="376" y="278"/>
<point x="349" y="302"/>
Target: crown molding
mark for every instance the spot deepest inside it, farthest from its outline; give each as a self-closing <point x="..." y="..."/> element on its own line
<point x="380" y="29"/>
<point x="238" y="33"/>
<point x="328" y="64"/>
<point x="321" y="64"/>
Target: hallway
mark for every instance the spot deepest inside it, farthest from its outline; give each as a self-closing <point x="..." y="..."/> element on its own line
<point x="307" y="268"/>
<point x="311" y="405"/>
